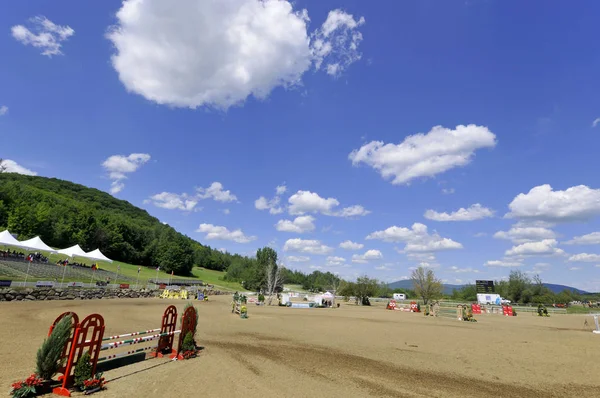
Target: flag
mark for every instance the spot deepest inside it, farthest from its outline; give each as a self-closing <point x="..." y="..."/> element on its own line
<point x="139" y="268"/>
<point x="118" y="268"/>
<point x="171" y="273"/>
<point x="158" y="268"/>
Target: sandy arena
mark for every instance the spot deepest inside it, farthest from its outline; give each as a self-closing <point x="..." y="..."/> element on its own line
<point x="346" y="352"/>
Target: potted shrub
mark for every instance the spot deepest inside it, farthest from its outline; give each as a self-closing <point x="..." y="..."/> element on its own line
<point x="188" y="346"/>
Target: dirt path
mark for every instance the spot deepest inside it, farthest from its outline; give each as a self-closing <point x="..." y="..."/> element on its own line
<point x="346" y="352"/>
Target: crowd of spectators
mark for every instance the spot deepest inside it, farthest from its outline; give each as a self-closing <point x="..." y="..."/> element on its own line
<point x="66" y="262"/>
<point x="15" y="255"/>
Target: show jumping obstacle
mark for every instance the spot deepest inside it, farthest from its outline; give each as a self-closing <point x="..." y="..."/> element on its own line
<point x="89" y="336"/>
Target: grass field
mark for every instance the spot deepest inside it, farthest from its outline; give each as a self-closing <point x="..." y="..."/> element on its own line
<point x="215" y="278"/>
<point x="146" y="273"/>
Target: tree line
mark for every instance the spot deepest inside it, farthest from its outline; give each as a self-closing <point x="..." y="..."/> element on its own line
<point x="64" y="214"/>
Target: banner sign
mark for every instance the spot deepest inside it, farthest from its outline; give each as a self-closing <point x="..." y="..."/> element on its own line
<point x="5" y="283"/>
<point x="75" y="284"/>
<point x="124" y="286"/>
<point x="44" y="284"/>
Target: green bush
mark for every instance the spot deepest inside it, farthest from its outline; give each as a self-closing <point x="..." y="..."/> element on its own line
<point x="188" y="342"/>
<point x="48" y="359"/>
<point x="83" y="370"/>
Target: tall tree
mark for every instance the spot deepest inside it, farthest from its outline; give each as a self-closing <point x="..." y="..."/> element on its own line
<point x="364" y="288"/>
<point x="518" y="287"/>
<point x="266" y="258"/>
<point x="426" y="285"/>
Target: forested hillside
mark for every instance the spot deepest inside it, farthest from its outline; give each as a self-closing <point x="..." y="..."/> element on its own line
<point x="63" y="214"/>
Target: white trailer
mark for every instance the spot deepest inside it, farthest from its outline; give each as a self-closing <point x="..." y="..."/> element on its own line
<point x="491" y="298"/>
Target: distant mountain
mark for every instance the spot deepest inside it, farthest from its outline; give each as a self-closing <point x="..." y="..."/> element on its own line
<point x="559" y="288"/>
<point x="407" y="284"/>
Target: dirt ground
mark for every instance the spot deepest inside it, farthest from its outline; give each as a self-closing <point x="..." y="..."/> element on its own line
<point x="346" y="352"/>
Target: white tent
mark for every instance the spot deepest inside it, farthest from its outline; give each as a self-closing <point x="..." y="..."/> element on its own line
<point x="97" y="255"/>
<point x="8" y="240"/>
<point x="73" y="251"/>
<point x="37" y="244"/>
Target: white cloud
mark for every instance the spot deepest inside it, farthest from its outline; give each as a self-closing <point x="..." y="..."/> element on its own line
<point x="226" y="211"/>
<point x="299" y="225"/>
<point x="315" y="267"/>
<point x="368" y="256"/>
<point x="298" y="259"/>
<point x="434" y="244"/>
<point x="448" y="191"/>
<point x="272" y="205"/>
<point x="417" y="239"/>
<point x="336" y="43"/>
<point x="333" y="261"/>
<point x="222" y="233"/>
<point x="222" y="250"/>
<point x="306" y="246"/>
<point x="310" y="202"/>
<point x="383" y="268"/>
<point x="545" y="247"/>
<point x="217" y="53"/>
<point x="474" y="212"/>
<point x="10" y="166"/>
<point x="3" y="110"/>
<point x="585" y="258"/>
<point x="172" y="201"/>
<point x="596" y="122"/>
<point x="418" y="256"/>
<point x="575" y="268"/>
<point x="43" y="34"/>
<point x="215" y="191"/>
<point x="525" y="234"/>
<point x="352" y="211"/>
<point x="349" y="245"/>
<point x="424" y="155"/>
<point x="503" y="263"/>
<point x="463" y="270"/>
<point x="589" y="239"/>
<point x="118" y="166"/>
<point x="578" y="203"/>
<point x="480" y="234"/>
<point x="541" y="265"/>
<point x="280" y="190"/>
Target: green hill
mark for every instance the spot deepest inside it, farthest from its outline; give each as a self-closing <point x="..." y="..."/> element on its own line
<point x="64" y="214"/>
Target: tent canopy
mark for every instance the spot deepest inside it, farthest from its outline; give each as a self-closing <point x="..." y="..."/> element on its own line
<point x="37" y="244"/>
<point x="76" y="251"/>
<point x="97" y="255"/>
<point x="8" y="240"/>
<point x="73" y="251"/>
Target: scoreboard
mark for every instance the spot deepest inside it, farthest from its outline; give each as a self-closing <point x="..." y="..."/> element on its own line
<point x="485" y="286"/>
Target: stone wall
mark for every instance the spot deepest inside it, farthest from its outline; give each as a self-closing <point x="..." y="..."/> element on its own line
<point x="16" y="294"/>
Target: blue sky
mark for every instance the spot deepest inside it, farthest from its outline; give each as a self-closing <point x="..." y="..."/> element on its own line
<point x="156" y="102"/>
